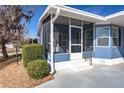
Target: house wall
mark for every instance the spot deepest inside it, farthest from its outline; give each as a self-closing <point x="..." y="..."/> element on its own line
<point x="110" y="52"/>
<point x="63" y="57"/>
<point x="103" y="52"/>
<point x="118" y="52"/>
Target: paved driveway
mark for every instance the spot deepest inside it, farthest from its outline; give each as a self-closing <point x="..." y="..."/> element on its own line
<point x="99" y="77"/>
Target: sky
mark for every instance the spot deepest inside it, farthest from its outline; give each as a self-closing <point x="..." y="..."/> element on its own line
<point x="103" y="10"/>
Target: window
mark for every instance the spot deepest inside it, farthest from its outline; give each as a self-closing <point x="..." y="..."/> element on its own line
<point x="102" y="36"/>
<point x="115" y="36"/>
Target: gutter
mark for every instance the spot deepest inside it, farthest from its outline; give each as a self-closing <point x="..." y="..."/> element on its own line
<point x="52" y="36"/>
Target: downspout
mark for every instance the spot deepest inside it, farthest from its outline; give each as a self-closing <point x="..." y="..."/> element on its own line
<point x="52" y="41"/>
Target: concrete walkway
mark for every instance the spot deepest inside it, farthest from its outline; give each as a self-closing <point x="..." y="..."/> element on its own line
<point x="100" y="76"/>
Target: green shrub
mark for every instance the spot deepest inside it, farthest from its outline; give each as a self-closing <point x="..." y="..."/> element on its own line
<point x="38" y="69"/>
<point x="32" y="52"/>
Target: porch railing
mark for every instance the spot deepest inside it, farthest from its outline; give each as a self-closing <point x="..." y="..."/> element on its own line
<point x="88" y="55"/>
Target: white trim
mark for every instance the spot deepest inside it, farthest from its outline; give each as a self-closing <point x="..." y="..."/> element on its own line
<point x="77" y="55"/>
<point x="110" y="37"/>
<point x="69" y="35"/>
<point x="114" y="15"/>
<point x="44" y="13"/>
<point x="80" y="12"/>
<point x="94" y="37"/>
<point x="61" y="53"/>
<point x="41" y="35"/>
<point x="82" y="38"/>
<point x="74" y="26"/>
<point x="51" y="48"/>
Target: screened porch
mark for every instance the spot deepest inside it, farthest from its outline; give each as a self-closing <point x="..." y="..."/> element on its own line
<point x="72" y="37"/>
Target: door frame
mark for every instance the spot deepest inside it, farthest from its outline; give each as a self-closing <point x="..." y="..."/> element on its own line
<point x="74" y="55"/>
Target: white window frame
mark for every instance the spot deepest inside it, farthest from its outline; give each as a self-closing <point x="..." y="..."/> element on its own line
<point x="115" y="37"/>
<point x="103" y="37"/>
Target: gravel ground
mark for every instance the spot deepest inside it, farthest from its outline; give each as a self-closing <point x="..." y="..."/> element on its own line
<point x="15" y="76"/>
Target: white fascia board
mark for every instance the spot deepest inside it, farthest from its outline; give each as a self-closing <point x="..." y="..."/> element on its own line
<point x="81" y="12"/>
<point x="46" y="10"/>
<point x="114" y="15"/>
<point x="73" y="10"/>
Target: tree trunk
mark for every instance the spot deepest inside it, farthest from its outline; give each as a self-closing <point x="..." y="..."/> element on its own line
<point x="4" y="52"/>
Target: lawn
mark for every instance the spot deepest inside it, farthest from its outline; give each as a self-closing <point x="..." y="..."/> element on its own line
<point x="15" y="76"/>
<point x="10" y="52"/>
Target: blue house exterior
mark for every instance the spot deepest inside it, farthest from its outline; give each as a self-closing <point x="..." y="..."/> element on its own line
<point x="68" y="34"/>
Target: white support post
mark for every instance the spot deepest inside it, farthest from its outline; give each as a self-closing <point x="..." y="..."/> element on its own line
<point x="69" y="35"/>
<point x="52" y="40"/>
<point x="51" y="47"/>
<point x="94" y="37"/>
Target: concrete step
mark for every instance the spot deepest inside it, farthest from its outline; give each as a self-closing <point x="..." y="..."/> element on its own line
<point x="75" y="65"/>
<point x="79" y="66"/>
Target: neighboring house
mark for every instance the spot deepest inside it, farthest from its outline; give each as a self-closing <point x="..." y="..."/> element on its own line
<point x="9" y="45"/>
<point x="66" y="33"/>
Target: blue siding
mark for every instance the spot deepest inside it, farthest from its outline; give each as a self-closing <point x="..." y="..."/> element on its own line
<point x="59" y="57"/>
<point x="118" y="52"/>
<point x="111" y="52"/>
<point x="62" y="57"/>
<point x="103" y="52"/>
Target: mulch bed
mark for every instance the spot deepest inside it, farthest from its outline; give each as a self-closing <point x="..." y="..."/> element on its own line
<point x="15" y="76"/>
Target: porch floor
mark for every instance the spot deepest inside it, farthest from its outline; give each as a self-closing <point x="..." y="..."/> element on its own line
<point x="75" y="65"/>
<point x="102" y="76"/>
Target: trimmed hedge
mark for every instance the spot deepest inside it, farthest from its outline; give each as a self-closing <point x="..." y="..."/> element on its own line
<point x="38" y="69"/>
<point x="32" y="52"/>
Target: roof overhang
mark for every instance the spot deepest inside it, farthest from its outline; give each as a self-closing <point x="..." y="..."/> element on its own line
<point x="71" y="13"/>
<point x="117" y="18"/>
<point x="78" y="14"/>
